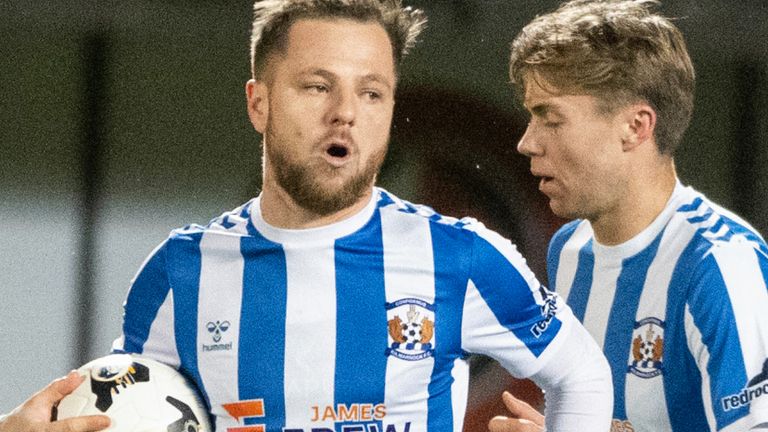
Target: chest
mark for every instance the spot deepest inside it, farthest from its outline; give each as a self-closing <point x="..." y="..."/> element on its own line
<point x="320" y="335"/>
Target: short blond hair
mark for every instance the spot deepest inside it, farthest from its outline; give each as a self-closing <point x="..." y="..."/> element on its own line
<point x="619" y="51"/>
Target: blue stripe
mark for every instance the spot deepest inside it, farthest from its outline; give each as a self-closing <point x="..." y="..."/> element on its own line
<point x="361" y="318"/>
<point x="713" y="315"/>
<point x="752" y="236"/>
<point x="682" y="380"/>
<point x="147" y="294"/>
<point x="717" y="225"/>
<point x="621" y="320"/>
<point x="183" y="260"/>
<point x="262" y="329"/>
<point x="384" y="198"/>
<point x="701" y="218"/>
<point x="555" y="248"/>
<point x="692" y="206"/>
<point x="582" y="281"/>
<point x="451" y="264"/>
<point x="509" y="297"/>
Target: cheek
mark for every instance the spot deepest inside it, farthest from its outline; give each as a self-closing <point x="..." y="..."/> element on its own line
<point x="377" y="123"/>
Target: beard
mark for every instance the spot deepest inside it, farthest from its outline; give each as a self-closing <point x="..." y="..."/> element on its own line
<point x="304" y="181"/>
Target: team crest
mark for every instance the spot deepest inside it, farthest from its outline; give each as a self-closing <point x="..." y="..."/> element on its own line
<point x="647" y="358"/>
<point x="411" y="324"/>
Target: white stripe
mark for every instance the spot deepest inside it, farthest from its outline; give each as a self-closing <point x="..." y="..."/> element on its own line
<point x="743" y="278"/>
<point x="569" y="259"/>
<point x="700" y="354"/>
<point x="219" y="302"/>
<point x="310" y="332"/>
<point x="481" y="333"/>
<point x="641" y="393"/>
<point x="161" y="341"/>
<point x="601" y="295"/>
<point x="408" y="273"/>
<point x="459" y="391"/>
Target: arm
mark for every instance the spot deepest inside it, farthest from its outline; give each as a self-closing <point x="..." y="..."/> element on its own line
<point x="577" y="386"/>
<point x="577" y="398"/>
<point x="511" y="317"/>
<point x="148" y="320"/>
<point x="34" y="415"/>
<point x="726" y="327"/>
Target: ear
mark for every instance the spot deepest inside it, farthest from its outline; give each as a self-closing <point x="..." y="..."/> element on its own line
<point x="257" y="95"/>
<point x="639" y="123"/>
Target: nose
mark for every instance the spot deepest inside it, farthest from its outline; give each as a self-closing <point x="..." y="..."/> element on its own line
<point x="529" y="144"/>
<point x="344" y="108"/>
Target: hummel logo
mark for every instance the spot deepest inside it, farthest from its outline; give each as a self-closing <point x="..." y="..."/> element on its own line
<point x="216" y="328"/>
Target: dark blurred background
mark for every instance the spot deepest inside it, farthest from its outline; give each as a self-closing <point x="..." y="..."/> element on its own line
<point x="122" y="120"/>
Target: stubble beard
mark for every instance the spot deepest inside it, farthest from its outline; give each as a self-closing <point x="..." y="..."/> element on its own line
<point x="305" y="183"/>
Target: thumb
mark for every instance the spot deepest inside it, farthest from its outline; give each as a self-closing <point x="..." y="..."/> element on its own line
<point x="505" y="424"/>
<point x="521" y="410"/>
<point x="89" y="423"/>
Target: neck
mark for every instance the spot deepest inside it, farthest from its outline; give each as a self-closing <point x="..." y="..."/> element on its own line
<point x="281" y="211"/>
<point x="641" y="202"/>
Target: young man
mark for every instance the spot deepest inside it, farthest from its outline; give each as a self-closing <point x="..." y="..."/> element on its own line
<point x="672" y="286"/>
<point x="327" y="304"/>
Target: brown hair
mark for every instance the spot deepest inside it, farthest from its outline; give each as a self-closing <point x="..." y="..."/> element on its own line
<point x="273" y="19"/>
<point x="619" y="51"/>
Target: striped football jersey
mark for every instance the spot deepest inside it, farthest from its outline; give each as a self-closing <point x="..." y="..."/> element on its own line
<point x="362" y="325"/>
<point x="681" y="312"/>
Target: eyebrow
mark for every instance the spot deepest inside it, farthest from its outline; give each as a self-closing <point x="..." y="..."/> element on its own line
<point x="365" y="79"/>
<point x="543" y="108"/>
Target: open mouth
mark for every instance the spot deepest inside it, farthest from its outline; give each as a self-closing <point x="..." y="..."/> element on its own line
<point x="337" y="151"/>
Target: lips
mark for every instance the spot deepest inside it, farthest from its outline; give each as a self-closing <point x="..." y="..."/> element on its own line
<point x="337" y="149"/>
<point x="544" y="180"/>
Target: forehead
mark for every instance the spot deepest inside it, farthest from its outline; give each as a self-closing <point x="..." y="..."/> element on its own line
<point x="341" y="43"/>
<point x="542" y="97"/>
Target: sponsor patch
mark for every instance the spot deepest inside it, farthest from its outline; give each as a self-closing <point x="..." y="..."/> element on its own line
<point x="755" y="388"/>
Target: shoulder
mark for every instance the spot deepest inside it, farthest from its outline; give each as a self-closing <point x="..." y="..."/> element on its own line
<point x="402" y="210"/>
<point x="234" y="221"/>
<point x="723" y="252"/>
<point x="714" y="230"/>
<point x="466" y="234"/>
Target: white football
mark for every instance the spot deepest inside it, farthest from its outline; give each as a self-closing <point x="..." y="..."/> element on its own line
<point x="138" y="395"/>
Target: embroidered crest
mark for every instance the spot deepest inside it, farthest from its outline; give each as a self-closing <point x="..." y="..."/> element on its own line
<point x="411" y="324"/>
<point x="647" y="354"/>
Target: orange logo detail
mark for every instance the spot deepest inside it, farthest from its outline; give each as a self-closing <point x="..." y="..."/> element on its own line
<point x="246" y="409"/>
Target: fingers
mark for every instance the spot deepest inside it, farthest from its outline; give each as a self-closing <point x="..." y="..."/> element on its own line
<point x="505" y="424"/>
<point x="66" y="385"/>
<point x="55" y="391"/>
<point x="522" y="410"/>
<point x="80" y="424"/>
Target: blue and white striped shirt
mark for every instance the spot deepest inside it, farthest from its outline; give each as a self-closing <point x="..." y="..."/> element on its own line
<point x="681" y="312"/>
<point x="361" y="325"/>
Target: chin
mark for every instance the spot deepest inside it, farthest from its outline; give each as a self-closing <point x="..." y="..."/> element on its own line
<point x="562" y="211"/>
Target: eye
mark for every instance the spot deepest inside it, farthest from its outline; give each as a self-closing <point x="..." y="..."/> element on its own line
<point x="316" y="88"/>
<point x="373" y="95"/>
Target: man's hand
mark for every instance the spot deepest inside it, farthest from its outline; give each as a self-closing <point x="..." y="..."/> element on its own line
<point x="524" y="418"/>
<point x="34" y="415"/>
